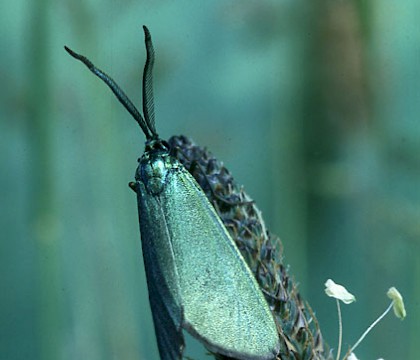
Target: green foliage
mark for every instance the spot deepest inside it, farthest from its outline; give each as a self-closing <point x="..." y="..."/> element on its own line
<point x="313" y="106"/>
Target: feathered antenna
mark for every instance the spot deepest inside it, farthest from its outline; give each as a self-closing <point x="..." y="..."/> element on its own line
<point x="147" y="123"/>
<point x="148" y="103"/>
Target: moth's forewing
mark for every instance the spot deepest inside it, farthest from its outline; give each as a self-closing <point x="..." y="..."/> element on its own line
<point x="209" y="285"/>
<point x="161" y="274"/>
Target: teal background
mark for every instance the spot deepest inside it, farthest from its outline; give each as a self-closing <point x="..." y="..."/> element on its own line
<point x="312" y="105"/>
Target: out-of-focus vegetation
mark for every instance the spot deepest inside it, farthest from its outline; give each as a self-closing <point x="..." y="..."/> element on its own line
<point x="313" y="106"/>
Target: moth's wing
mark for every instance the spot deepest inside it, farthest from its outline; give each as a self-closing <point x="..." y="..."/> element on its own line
<point x="162" y="277"/>
<point x="223" y="305"/>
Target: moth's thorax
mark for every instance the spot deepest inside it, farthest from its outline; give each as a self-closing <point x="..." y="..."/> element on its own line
<point x="154" y="166"/>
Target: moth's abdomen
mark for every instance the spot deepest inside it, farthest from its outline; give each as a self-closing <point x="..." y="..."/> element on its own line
<point x="300" y="334"/>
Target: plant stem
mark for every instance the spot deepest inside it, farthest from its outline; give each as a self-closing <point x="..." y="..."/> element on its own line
<point x="340" y="329"/>
<point x="371" y="327"/>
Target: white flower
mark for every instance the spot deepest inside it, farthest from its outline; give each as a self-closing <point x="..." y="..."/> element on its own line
<point x="339" y="292"/>
<point x="352" y="357"/>
<point x="398" y="303"/>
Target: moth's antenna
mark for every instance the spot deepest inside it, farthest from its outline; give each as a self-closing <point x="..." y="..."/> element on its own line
<point x="148" y="103"/>
<point x="121" y="96"/>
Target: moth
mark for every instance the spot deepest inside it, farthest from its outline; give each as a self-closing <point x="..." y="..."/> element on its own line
<point x="197" y="279"/>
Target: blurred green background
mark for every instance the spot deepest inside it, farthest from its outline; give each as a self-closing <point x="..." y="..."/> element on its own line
<point x="312" y="105"/>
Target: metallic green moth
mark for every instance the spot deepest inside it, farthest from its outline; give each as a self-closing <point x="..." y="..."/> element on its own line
<point x="197" y="278"/>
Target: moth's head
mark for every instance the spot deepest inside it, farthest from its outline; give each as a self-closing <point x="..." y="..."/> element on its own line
<point x="156" y="145"/>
